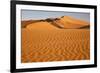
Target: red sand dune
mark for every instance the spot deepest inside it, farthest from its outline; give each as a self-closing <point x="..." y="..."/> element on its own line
<point x="55" y="45"/>
<point x="62" y="22"/>
<point x="43" y="25"/>
<point x="70" y="22"/>
<point x="44" y="41"/>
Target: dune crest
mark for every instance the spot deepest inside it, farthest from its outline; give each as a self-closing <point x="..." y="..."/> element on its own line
<point x="64" y="22"/>
<point x="70" y="22"/>
<point x="41" y="26"/>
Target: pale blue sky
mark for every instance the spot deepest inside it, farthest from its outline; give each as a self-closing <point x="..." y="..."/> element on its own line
<point x="37" y="14"/>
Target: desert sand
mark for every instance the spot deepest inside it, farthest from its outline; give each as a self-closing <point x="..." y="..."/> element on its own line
<point x="60" y="39"/>
<point x="70" y="22"/>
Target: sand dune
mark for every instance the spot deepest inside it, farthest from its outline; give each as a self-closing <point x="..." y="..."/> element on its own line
<point x="43" y="25"/>
<point x="25" y="23"/>
<point x="55" y="45"/>
<point x="61" y="22"/>
<point x="46" y="40"/>
<point x="70" y="22"/>
<point x="85" y="27"/>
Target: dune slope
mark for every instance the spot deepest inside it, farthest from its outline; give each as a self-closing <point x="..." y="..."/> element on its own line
<point x="43" y="25"/>
<point x="55" y="45"/>
<point x="66" y="22"/>
<point x="70" y="22"/>
<point x="55" y="40"/>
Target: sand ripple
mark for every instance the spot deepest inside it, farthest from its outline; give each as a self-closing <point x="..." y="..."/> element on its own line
<point x="55" y="45"/>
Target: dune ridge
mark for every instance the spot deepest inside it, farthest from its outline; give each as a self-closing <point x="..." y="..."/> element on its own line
<point x="43" y="25"/>
<point x="70" y="22"/>
<point x="64" y="22"/>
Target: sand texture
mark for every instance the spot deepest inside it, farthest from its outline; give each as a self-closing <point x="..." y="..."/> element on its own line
<point x="45" y="41"/>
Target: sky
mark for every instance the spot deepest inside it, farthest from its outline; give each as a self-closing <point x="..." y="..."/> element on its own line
<point x="40" y="14"/>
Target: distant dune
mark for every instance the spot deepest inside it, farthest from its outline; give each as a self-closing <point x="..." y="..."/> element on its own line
<point x="85" y="27"/>
<point x="55" y="39"/>
<point x="65" y="22"/>
<point x="70" y="22"/>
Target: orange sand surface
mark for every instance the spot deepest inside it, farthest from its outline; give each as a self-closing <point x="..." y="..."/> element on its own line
<point x="41" y="26"/>
<point x="69" y="22"/>
<point x="58" y="45"/>
<point x="43" y="42"/>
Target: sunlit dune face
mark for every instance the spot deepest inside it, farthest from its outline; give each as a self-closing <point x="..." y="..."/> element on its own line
<point x="74" y="20"/>
<point x="69" y="22"/>
<point x="41" y="26"/>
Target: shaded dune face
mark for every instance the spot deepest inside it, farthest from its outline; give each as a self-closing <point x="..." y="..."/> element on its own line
<point x="47" y="41"/>
<point x="25" y="23"/>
